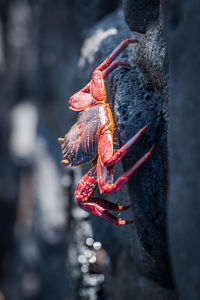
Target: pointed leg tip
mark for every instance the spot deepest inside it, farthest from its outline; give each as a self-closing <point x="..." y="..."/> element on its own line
<point x="133" y="41"/>
<point x="125" y="222"/>
<point x="152" y="148"/>
<point x="124" y="63"/>
<point x="150" y="151"/>
<point x="130" y="221"/>
<point x="123" y="207"/>
<point x="145" y="127"/>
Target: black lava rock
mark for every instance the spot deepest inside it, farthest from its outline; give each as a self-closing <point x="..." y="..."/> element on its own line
<point x="139" y="14"/>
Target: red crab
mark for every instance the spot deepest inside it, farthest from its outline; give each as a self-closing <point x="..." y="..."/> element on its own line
<point x="91" y="140"/>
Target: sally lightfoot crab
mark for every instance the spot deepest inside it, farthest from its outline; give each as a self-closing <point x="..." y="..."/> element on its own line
<point x="91" y="140"/>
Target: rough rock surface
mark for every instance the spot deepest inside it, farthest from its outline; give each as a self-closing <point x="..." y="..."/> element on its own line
<point x="140" y="97"/>
<point x="184" y="146"/>
<point x="139" y="14"/>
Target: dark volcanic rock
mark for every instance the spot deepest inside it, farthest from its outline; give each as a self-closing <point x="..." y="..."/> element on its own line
<point x="184" y="146"/>
<point x="88" y="12"/>
<point x="148" y="187"/>
<point x="140" y="97"/>
<point x="139" y="14"/>
<point x="152" y="57"/>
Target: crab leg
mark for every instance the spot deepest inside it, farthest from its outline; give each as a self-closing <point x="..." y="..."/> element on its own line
<point x="107" y="160"/>
<point x="114" y="65"/>
<point x="109" y="189"/>
<point x="101" y="212"/>
<point x="107" y="204"/>
<point x="82" y="99"/>
<point x="119" y="154"/>
<point x="94" y="205"/>
<point x="114" y="54"/>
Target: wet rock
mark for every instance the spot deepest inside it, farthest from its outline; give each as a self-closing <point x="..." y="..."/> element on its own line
<point x="139" y="14"/>
<point x="184" y="146"/>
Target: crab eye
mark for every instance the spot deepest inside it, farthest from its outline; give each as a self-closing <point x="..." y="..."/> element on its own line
<point x="65" y="162"/>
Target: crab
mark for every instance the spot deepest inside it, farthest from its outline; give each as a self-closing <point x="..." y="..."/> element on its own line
<point x="91" y="140"/>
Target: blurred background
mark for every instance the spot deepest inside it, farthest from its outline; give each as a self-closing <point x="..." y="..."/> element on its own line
<point x="45" y="242"/>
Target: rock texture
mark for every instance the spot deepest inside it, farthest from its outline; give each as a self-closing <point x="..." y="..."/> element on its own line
<point x="139" y="14"/>
<point x="140" y="97"/>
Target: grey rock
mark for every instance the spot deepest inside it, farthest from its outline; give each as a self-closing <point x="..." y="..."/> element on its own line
<point x="139" y="14"/>
<point x="184" y="145"/>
